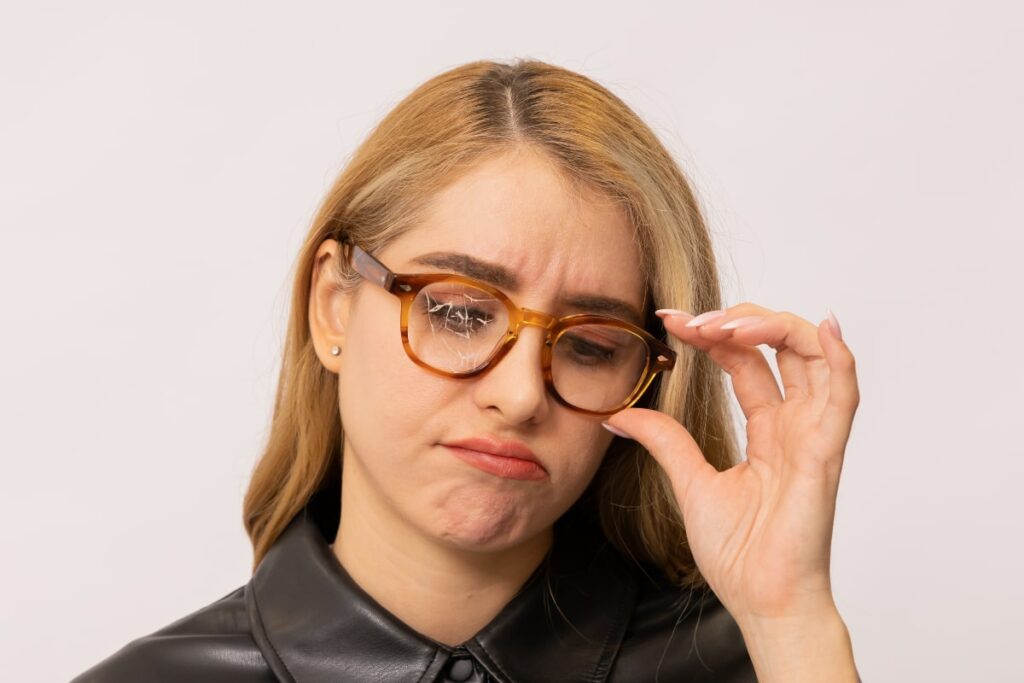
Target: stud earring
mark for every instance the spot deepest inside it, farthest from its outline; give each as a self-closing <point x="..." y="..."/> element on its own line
<point x="335" y="351"/>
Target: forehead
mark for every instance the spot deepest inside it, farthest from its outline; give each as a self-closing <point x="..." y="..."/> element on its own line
<point x="519" y="211"/>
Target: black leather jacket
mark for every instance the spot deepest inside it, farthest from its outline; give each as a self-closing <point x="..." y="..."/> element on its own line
<point x="584" y="615"/>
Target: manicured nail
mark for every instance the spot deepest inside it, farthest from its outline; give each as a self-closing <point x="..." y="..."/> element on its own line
<point x="746" y="321"/>
<point x="675" y="313"/>
<point x="834" y="324"/>
<point x="616" y="432"/>
<point x="705" y="317"/>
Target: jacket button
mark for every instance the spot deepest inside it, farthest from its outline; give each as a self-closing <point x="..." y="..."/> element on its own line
<point x="460" y="670"/>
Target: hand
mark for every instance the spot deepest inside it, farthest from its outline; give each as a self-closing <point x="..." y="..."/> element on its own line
<point x="761" y="531"/>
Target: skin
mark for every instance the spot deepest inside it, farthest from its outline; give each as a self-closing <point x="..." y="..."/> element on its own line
<point x="444" y="546"/>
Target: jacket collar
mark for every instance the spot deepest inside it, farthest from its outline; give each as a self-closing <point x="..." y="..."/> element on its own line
<point x="313" y="623"/>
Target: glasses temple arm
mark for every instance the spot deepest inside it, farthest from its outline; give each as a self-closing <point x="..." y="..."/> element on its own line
<point x="370" y="268"/>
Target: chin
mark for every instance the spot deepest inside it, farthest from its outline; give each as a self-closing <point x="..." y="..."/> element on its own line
<point x="488" y="526"/>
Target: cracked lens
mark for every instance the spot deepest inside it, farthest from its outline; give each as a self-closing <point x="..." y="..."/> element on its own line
<point x="459" y="327"/>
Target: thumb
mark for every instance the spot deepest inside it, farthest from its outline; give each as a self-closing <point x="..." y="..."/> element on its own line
<point x="669" y="442"/>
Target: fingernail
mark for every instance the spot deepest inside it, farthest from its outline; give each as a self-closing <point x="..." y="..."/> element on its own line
<point x="705" y="317"/>
<point x="742" y="322"/>
<point x="834" y="324"/>
<point x="616" y="432"/>
<point x="675" y="313"/>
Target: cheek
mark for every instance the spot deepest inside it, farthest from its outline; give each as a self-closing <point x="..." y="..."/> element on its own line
<point x="583" y="461"/>
<point x="386" y="399"/>
<point x="389" y="405"/>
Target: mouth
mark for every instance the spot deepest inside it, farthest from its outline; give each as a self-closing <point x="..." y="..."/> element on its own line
<point x="507" y="459"/>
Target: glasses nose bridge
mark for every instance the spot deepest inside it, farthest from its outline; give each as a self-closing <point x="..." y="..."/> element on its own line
<point x="529" y="316"/>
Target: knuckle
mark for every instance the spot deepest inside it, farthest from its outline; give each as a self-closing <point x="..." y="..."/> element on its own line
<point x="791" y="318"/>
<point x="746" y="307"/>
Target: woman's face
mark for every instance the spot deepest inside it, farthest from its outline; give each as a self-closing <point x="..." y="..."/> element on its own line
<point x="517" y="213"/>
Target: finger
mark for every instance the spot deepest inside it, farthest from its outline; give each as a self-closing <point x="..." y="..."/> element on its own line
<point x="790" y="363"/>
<point x="843" y="390"/>
<point x="669" y="443"/>
<point x="799" y="355"/>
<point x="752" y="379"/>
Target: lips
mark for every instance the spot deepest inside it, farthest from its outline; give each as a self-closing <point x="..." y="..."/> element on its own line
<point x="506" y="458"/>
<point x="507" y="449"/>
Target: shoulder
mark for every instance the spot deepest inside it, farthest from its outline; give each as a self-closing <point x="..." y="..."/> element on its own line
<point x="679" y="634"/>
<point x="213" y="643"/>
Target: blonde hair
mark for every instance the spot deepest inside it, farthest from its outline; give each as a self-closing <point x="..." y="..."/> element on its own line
<point x="443" y="127"/>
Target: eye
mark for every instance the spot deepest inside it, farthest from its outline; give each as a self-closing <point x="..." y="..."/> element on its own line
<point x="459" y="317"/>
<point x="461" y="312"/>
<point x="586" y="351"/>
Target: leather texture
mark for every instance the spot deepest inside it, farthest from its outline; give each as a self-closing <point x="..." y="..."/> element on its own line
<point x="585" y="615"/>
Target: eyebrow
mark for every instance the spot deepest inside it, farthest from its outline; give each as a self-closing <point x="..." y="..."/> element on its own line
<point x="502" y="278"/>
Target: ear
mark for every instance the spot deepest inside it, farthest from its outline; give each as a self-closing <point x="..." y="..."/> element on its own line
<point x="328" y="308"/>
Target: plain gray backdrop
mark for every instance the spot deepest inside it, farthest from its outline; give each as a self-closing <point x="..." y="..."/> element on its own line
<point x="159" y="166"/>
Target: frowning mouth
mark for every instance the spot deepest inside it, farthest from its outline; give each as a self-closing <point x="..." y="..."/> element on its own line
<point x="509" y="459"/>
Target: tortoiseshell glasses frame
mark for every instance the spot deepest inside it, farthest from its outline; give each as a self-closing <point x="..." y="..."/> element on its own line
<point x="406" y="286"/>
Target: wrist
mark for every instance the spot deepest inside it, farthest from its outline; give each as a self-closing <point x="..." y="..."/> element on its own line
<point x="810" y="646"/>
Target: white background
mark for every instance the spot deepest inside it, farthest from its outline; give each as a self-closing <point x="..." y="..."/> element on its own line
<point x="160" y="165"/>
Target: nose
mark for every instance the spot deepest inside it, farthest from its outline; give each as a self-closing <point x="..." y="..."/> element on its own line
<point x="515" y="386"/>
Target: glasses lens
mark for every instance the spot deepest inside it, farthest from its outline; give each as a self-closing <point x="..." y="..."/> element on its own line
<point x="597" y="367"/>
<point x="456" y="327"/>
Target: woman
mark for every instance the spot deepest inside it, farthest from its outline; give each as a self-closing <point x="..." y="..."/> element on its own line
<point x="491" y="461"/>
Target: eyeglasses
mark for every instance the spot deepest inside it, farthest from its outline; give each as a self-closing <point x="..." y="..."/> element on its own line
<point x="459" y="327"/>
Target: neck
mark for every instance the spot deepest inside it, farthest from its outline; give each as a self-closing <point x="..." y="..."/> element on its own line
<point x="447" y="594"/>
